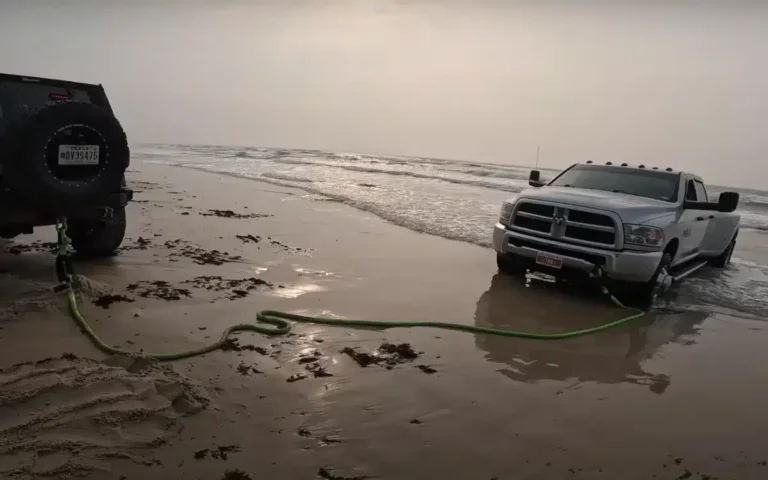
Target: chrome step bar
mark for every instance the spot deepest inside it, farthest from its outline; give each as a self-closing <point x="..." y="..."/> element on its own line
<point x="684" y="260"/>
<point x="695" y="267"/>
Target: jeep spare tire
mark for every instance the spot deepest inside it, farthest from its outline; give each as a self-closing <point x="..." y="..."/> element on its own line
<point x="66" y="151"/>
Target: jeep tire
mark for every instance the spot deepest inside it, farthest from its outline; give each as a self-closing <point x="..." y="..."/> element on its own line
<point x="97" y="238"/>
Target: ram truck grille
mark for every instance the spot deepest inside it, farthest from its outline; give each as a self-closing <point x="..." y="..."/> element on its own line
<point x="566" y="224"/>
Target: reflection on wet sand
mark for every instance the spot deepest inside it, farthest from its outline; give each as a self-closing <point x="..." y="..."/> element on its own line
<point x="613" y="356"/>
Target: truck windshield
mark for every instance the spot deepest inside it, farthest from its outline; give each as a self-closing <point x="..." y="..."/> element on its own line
<point x="643" y="183"/>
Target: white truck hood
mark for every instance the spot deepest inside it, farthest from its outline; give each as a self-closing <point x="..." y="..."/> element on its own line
<point x="630" y="208"/>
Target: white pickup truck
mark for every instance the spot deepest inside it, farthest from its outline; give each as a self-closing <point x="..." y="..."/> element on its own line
<point x="642" y="227"/>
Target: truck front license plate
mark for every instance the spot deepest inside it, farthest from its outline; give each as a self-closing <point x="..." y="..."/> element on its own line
<point x="549" y="260"/>
<point x="78" y="155"/>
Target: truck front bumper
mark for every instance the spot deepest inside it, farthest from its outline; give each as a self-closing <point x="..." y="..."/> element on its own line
<point x="618" y="265"/>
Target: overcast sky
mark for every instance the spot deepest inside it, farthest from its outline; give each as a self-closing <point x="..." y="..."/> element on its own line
<point x="681" y="86"/>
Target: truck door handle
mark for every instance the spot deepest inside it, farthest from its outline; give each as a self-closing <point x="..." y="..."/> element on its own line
<point x="698" y="219"/>
<point x="711" y="217"/>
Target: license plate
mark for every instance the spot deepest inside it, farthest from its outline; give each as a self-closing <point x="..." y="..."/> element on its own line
<point x="549" y="260"/>
<point x="78" y="155"/>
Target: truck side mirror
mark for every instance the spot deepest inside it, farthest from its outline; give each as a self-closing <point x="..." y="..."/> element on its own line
<point x="534" y="179"/>
<point x="727" y="202"/>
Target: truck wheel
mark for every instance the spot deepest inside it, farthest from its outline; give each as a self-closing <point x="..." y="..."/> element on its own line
<point x="724" y="259"/>
<point x="97" y="238"/>
<point x="508" y="264"/>
<point x="644" y="294"/>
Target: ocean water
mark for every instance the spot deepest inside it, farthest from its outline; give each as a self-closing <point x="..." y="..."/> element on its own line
<point x="459" y="200"/>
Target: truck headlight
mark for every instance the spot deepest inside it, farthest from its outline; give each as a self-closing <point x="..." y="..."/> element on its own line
<point x="506" y="212"/>
<point x="643" y="235"/>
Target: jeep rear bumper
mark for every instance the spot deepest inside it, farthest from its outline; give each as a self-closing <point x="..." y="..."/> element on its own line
<point x="617" y="265"/>
<point x="12" y="214"/>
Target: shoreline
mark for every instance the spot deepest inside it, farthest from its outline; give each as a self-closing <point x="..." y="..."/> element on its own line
<point x="460" y="161"/>
<point x="607" y="404"/>
<point x="756" y="233"/>
<point x="329" y="197"/>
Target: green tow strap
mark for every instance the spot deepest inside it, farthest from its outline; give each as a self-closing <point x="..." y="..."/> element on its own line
<point x="281" y="326"/>
<point x="272" y="322"/>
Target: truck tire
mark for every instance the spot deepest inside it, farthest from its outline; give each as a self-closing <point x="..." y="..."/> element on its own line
<point x="508" y="264"/>
<point x="644" y="294"/>
<point x="724" y="259"/>
<point x="97" y="238"/>
<point x="32" y="166"/>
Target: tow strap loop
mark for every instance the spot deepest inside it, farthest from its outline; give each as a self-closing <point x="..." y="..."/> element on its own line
<point x="64" y="251"/>
<point x="597" y="274"/>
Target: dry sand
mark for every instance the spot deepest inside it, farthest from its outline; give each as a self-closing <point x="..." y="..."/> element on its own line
<point x="677" y="395"/>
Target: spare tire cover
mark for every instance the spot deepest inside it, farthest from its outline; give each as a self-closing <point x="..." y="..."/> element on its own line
<point x="65" y="151"/>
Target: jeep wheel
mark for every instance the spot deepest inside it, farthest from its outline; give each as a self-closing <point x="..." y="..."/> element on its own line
<point x="97" y="238"/>
<point x="9" y="233"/>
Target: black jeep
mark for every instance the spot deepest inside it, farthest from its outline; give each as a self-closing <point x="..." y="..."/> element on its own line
<point x="62" y="154"/>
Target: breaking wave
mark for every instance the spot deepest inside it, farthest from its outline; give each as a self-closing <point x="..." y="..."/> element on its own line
<point x="452" y="199"/>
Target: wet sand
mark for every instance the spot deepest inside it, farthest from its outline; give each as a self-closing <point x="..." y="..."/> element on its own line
<point x="680" y="392"/>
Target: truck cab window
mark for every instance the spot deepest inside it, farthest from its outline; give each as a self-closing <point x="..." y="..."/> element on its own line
<point x="701" y="192"/>
<point x="690" y="192"/>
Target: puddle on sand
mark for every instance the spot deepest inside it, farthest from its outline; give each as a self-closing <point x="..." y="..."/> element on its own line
<point x="612" y="357"/>
<point x="317" y="273"/>
<point x="295" y="291"/>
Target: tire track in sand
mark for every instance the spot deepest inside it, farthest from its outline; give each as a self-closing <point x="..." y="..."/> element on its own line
<point x="68" y="416"/>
